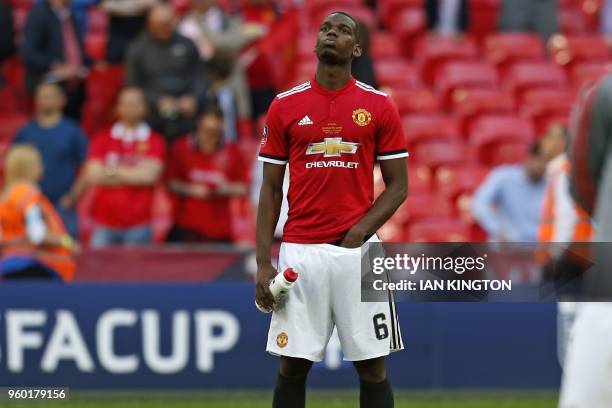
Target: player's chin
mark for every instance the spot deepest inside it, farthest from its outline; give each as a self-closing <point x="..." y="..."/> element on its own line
<point x="329" y="56"/>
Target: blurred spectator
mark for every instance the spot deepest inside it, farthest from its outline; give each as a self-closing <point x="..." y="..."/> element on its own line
<point x="362" y="68"/>
<point x="7" y="34"/>
<point x="204" y="173"/>
<point x="606" y="17"/>
<point x="447" y="17"/>
<point x="127" y="18"/>
<point x="538" y="16"/>
<point x="125" y="164"/>
<point x="168" y="68"/>
<point x="221" y="93"/>
<point x="63" y="147"/>
<point x="52" y="51"/>
<point x="213" y="30"/>
<point x="562" y="220"/>
<point x="507" y="205"/>
<point x="261" y="84"/>
<point x="35" y="244"/>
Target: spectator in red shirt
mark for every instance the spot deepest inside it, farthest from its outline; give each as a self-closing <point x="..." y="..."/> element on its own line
<point x="124" y="164"/>
<point x="203" y="175"/>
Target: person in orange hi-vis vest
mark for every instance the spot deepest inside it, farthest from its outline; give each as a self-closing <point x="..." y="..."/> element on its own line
<point x="564" y="225"/>
<point x="33" y="240"/>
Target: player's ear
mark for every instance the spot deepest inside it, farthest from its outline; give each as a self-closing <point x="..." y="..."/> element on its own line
<point x="357" y="51"/>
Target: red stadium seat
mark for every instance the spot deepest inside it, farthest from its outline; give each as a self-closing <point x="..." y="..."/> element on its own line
<point x="531" y="75"/>
<point x="22" y="4"/>
<point x="420" y="206"/>
<point x="483" y="17"/>
<point x="384" y="45"/>
<point x="101" y="89"/>
<point x="438" y="230"/>
<point x="498" y="128"/>
<point x="10" y="124"/>
<point x="316" y="7"/>
<point x="541" y="104"/>
<point x="355" y="9"/>
<point x="505" y="48"/>
<point x="397" y="73"/>
<point x="434" y="51"/>
<point x="458" y="76"/>
<point x="408" y="26"/>
<point x="470" y="104"/>
<point x="435" y="154"/>
<point x="454" y="181"/>
<point x="430" y="128"/>
<point x="305" y="47"/>
<point x="418" y="181"/>
<point x="416" y="101"/>
<point x="588" y="73"/>
<point x="388" y="9"/>
<point x="566" y="50"/>
<point x="501" y="139"/>
<point x="571" y="21"/>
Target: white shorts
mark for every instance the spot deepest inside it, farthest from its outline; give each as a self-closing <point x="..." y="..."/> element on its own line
<point x="327" y="294"/>
<point x="587" y="377"/>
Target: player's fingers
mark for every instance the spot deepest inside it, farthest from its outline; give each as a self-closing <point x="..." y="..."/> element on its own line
<point x="263" y="296"/>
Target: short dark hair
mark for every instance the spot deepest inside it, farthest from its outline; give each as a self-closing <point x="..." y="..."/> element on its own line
<point x="353" y="19"/>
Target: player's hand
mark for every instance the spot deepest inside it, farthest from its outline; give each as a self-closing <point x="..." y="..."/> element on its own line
<point x="264" y="298"/>
<point x="353" y="238"/>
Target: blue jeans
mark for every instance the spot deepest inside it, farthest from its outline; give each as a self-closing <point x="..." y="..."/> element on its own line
<point x="106" y="236"/>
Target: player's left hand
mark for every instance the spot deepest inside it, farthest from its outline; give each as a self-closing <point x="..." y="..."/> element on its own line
<point x="353" y="239"/>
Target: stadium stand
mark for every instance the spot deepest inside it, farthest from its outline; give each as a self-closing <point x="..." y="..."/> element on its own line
<point x="467" y="103"/>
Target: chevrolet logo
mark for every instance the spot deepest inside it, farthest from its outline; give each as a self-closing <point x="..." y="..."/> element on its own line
<point x="332" y="147"/>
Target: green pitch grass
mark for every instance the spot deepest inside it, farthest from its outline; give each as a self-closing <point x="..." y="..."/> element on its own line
<point x="319" y="399"/>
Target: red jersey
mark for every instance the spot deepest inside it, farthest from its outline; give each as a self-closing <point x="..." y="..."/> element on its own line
<point x="125" y="206"/>
<point x="331" y="139"/>
<point x="210" y="217"/>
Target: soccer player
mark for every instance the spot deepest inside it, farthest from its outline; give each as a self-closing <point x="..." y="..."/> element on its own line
<point x="330" y="130"/>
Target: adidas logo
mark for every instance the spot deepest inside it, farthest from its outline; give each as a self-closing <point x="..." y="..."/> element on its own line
<point x="305" y="121"/>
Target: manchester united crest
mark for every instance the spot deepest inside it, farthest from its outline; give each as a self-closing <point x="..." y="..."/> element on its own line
<point x="282" y="339"/>
<point x="362" y="117"/>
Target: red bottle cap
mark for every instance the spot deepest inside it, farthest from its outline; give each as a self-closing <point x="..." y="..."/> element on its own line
<point x="290" y="275"/>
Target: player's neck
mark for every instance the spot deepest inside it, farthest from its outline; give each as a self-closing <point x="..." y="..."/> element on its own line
<point x="332" y="76"/>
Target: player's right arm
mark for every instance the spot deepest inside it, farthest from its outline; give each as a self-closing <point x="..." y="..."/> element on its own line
<point x="274" y="154"/>
<point x="270" y="200"/>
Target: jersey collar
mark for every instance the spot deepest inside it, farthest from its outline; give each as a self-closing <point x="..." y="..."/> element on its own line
<point x="331" y="92"/>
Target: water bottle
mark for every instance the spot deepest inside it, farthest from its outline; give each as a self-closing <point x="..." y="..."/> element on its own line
<point x="279" y="286"/>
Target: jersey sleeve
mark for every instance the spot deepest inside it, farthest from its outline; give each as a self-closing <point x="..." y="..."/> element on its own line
<point x="274" y="144"/>
<point x="390" y="138"/>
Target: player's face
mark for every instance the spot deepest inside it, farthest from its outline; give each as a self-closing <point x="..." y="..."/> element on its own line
<point x="337" y="41"/>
